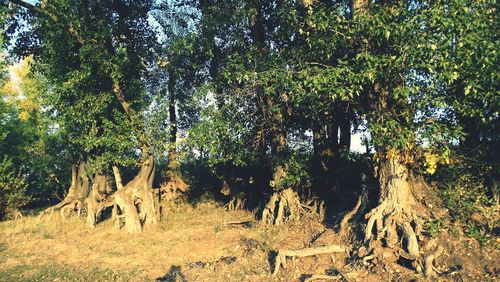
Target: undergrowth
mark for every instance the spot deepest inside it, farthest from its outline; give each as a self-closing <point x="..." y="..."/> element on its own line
<point x="469" y="192"/>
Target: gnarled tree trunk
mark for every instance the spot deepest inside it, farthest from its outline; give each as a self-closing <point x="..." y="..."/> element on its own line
<point x="283" y="206"/>
<point x="77" y="193"/>
<point x="137" y="202"/>
<point x="98" y="199"/>
<point x="395" y="223"/>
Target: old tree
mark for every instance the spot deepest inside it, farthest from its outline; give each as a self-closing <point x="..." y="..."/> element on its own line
<point x="259" y="101"/>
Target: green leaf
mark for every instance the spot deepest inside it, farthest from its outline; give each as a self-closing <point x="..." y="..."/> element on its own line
<point x="467" y="90"/>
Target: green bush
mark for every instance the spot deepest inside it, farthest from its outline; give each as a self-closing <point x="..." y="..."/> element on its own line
<point x="12" y="188"/>
<point x="468" y="194"/>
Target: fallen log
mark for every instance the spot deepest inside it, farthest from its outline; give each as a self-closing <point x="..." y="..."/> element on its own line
<point x="282" y="255"/>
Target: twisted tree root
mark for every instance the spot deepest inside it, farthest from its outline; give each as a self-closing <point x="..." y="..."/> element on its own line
<point x="430" y="270"/>
<point x="358" y="208"/>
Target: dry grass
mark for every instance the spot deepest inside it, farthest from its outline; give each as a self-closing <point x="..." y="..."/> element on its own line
<point x="194" y="242"/>
<point x="190" y="244"/>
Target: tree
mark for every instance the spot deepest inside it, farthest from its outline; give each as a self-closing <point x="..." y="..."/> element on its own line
<point x="105" y="63"/>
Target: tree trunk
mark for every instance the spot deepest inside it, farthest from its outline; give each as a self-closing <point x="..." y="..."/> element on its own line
<point x="119" y="186"/>
<point x="322" y="154"/>
<point x="118" y="178"/>
<point x="77" y="192"/>
<point x="175" y="182"/>
<point x="345" y="132"/>
<point x="98" y="199"/>
<point x="283" y="206"/>
<point x="395" y="222"/>
<point x="137" y="202"/>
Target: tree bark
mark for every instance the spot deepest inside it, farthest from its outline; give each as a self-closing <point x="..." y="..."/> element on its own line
<point x="137" y="202"/>
<point x="322" y="154"/>
<point x="175" y="181"/>
<point x="397" y="212"/>
<point x="98" y="199"/>
<point x="118" y="178"/>
<point x="286" y="199"/>
<point x="77" y="192"/>
<point x="345" y="132"/>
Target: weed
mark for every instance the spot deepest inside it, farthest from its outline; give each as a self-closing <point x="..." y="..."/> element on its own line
<point x="477" y="233"/>
<point x="433" y="227"/>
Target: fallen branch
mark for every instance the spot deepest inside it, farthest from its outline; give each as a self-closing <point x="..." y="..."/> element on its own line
<point x="322" y="277"/>
<point x="282" y="255"/>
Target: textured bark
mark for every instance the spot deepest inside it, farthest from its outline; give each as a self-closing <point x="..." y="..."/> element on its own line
<point x="345" y="131"/>
<point x="283" y="206"/>
<point x="118" y="178"/>
<point x="98" y="199"/>
<point x="286" y="202"/>
<point x="137" y="202"/>
<point x="322" y="155"/>
<point x="175" y="181"/>
<point x="398" y="210"/>
<point x="237" y="202"/>
<point x="258" y="35"/>
<point x="77" y="193"/>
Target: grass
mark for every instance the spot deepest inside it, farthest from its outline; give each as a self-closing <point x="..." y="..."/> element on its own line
<point x="59" y="272"/>
<point x="52" y="248"/>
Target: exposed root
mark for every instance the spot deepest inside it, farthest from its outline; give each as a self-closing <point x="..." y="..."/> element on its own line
<point x="344" y="228"/>
<point x="329" y="275"/>
<point x="175" y="182"/>
<point x="99" y="198"/>
<point x="283" y="206"/>
<point x="137" y="203"/>
<point x="430" y="271"/>
<point x="282" y="255"/>
<point x="14" y="214"/>
<point x="77" y="193"/>
<point x="174" y="188"/>
<point x="393" y="227"/>
<point x="237" y="202"/>
<point x="245" y="223"/>
<point x="315" y="207"/>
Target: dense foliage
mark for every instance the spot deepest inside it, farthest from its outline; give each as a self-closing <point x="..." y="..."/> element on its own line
<point x="257" y="89"/>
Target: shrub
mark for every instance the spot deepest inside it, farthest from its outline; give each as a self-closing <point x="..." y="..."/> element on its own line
<point x="12" y="189"/>
<point x="469" y="196"/>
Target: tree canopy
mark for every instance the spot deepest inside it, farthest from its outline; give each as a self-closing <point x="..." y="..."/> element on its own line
<point x="256" y="97"/>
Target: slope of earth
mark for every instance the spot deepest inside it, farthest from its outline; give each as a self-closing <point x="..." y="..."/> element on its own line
<point x="200" y="243"/>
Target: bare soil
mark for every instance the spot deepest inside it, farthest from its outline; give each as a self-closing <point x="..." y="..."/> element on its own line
<point x="207" y="243"/>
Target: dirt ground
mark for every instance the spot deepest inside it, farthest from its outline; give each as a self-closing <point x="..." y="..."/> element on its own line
<point x="205" y="243"/>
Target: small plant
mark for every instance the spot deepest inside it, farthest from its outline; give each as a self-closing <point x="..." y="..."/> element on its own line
<point x="217" y="230"/>
<point x="297" y="174"/>
<point x="433" y="227"/>
<point x="478" y="233"/>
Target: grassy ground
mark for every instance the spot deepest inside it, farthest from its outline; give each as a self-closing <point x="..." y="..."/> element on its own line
<point x="192" y="243"/>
